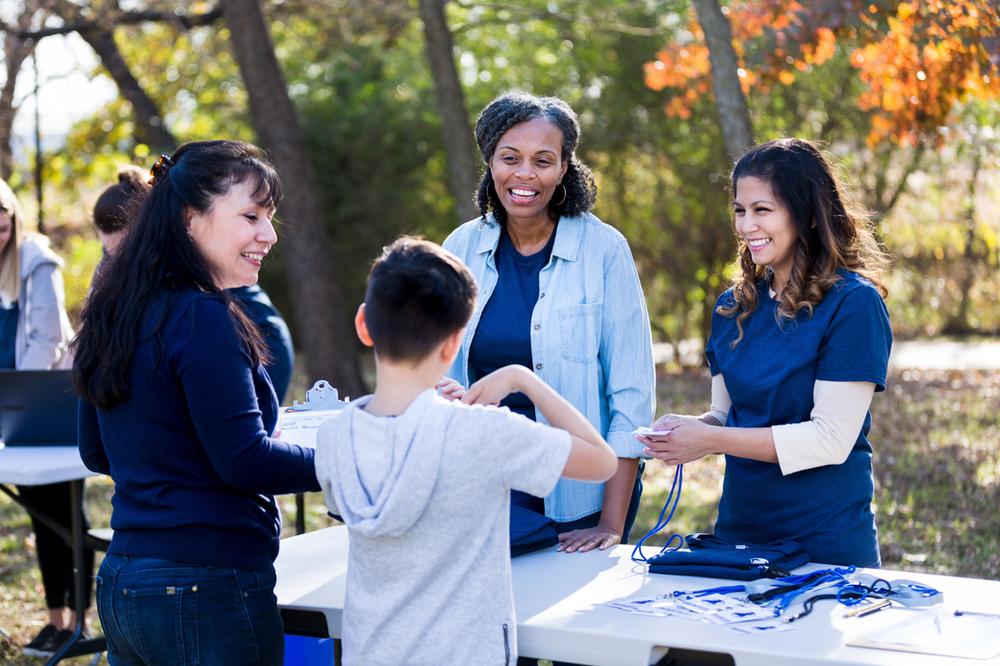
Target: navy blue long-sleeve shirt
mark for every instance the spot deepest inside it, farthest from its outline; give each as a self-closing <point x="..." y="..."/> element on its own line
<point x="190" y="453"/>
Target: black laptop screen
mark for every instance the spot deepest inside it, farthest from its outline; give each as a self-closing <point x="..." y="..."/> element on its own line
<point x="37" y="408"/>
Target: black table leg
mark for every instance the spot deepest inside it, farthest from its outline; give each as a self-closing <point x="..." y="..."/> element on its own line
<point x="300" y="514"/>
<point x="75" y="646"/>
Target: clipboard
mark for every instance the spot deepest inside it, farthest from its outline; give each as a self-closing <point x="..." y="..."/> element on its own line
<point x="941" y="632"/>
<point x="299" y="424"/>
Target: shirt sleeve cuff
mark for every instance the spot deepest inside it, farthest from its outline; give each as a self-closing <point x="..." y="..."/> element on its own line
<point x="625" y="445"/>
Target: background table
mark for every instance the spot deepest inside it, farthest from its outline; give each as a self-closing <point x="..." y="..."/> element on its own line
<point x="559" y="600"/>
<point x="42" y="465"/>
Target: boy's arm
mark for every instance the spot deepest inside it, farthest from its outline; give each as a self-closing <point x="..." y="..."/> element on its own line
<point x="590" y="459"/>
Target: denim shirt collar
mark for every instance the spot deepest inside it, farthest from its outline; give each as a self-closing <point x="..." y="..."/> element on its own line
<point x="569" y="234"/>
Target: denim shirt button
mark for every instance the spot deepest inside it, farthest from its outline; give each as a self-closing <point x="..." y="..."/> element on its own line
<point x="542" y="295"/>
<point x="537" y="326"/>
<point x="538" y="367"/>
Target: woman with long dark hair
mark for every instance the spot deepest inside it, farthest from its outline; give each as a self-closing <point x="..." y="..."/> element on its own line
<point x="799" y="345"/>
<point x="178" y="409"/>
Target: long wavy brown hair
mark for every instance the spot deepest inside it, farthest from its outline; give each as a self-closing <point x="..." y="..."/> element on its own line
<point x="832" y="232"/>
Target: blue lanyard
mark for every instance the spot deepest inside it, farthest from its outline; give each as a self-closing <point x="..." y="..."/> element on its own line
<point x="637" y="555"/>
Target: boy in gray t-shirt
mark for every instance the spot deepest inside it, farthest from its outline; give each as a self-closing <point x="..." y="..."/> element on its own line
<point x="423" y="483"/>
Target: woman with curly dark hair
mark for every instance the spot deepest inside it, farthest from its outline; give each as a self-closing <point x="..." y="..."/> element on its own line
<point x="559" y="294"/>
<point x="799" y="345"/>
<point x="178" y="409"/>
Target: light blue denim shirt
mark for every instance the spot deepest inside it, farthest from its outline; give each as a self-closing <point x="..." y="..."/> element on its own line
<point x="590" y="336"/>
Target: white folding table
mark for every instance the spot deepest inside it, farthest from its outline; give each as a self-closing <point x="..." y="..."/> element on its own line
<point x="559" y="600"/>
<point x="43" y="465"/>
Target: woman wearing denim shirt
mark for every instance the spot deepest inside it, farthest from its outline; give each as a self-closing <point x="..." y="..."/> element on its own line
<point x="559" y="293"/>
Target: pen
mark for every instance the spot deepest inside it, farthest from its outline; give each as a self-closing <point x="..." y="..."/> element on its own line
<point x="873" y="608"/>
<point x="960" y="613"/>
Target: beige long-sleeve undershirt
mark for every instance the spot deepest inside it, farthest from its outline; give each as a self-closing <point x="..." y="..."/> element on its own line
<point x="839" y="410"/>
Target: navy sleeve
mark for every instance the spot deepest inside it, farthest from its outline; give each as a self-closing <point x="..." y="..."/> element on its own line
<point x="89" y="439"/>
<point x="216" y="373"/>
<point x="857" y="342"/>
<point x="718" y="323"/>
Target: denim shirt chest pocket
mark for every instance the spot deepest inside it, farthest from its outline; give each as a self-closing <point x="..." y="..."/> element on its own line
<point x="579" y="332"/>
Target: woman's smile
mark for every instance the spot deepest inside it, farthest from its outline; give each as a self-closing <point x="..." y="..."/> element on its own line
<point x="526" y="167"/>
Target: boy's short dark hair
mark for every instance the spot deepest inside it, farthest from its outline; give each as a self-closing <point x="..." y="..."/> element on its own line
<point x="418" y="294"/>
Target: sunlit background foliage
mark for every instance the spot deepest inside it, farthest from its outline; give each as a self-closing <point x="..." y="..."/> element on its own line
<point x="637" y="74"/>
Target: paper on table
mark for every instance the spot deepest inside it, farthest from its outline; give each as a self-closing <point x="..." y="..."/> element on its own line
<point x="970" y="635"/>
<point x="301" y="427"/>
<point x="757" y="629"/>
<point x="715" y="608"/>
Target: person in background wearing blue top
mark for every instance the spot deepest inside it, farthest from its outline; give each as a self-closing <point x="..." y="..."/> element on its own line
<point x="176" y="407"/>
<point x="560" y="295"/>
<point x="34" y="335"/>
<point x="276" y="336"/>
<point x="799" y="345"/>
<point x="117" y="205"/>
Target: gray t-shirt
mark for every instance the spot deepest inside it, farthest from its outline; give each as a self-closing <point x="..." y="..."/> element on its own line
<point x="428" y="577"/>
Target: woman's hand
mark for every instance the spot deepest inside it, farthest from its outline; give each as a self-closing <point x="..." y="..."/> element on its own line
<point x="497" y="385"/>
<point x="603" y="537"/>
<point x="450" y="389"/>
<point x="684" y="439"/>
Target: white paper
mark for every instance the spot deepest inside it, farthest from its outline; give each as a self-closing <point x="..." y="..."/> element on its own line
<point x="768" y="628"/>
<point x="650" y="431"/>
<point x="945" y="631"/>
<point x="301" y="427"/>
<point x="716" y="608"/>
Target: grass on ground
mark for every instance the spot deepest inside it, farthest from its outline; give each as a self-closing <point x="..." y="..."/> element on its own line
<point x="936" y="436"/>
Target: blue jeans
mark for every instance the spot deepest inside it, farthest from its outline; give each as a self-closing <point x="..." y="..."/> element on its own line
<point x="157" y="612"/>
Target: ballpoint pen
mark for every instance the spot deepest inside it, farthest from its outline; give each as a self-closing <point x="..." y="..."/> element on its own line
<point x="875" y="607"/>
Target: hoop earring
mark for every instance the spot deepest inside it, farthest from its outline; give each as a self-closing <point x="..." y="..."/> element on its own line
<point x="565" y="194"/>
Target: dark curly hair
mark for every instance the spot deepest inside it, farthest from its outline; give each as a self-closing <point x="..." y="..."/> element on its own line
<point x="832" y="233"/>
<point x="516" y="107"/>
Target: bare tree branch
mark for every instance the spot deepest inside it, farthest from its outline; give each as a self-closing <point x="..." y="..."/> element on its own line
<point x="185" y="21"/>
<point x="15" y="52"/>
<point x="528" y="13"/>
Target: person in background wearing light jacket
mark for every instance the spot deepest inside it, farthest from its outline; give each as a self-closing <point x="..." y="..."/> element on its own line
<point x="34" y="335"/>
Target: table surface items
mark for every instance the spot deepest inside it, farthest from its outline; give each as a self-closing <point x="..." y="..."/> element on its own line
<point x="560" y="600"/>
<point x="40" y="465"/>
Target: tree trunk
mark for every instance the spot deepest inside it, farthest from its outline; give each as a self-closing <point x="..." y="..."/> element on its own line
<point x="149" y="124"/>
<point x="734" y="114"/>
<point x="16" y="51"/>
<point x="463" y="165"/>
<point x="959" y="323"/>
<point x="328" y="342"/>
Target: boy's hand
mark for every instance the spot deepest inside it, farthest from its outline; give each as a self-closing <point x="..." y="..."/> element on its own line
<point x="450" y="389"/>
<point x="496" y="386"/>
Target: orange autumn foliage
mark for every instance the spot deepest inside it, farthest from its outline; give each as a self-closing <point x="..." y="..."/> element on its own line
<point x="918" y="58"/>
